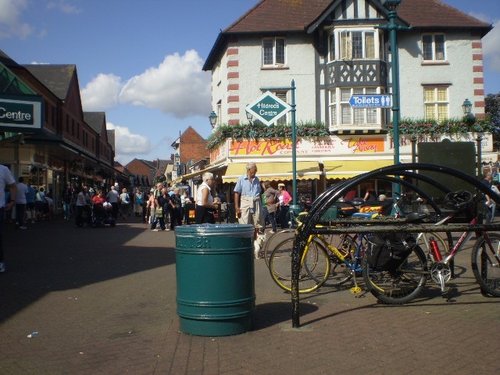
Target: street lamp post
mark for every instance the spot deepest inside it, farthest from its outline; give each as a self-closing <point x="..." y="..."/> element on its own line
<point x="295" y="208"/>
<point x="393" y="27"/>
<point x="467" y="108"/>
<point x="469" y="118"/>
<point x="479" y="156"/>
<point x="213" y="119"/>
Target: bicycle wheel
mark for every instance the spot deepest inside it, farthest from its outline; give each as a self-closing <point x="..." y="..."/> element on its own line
<point x="486" y="264"/>
<point x="314" y="268"/>
<point x="275" y="239"/>
<point x="340" y="271"/>
<point x="399" y="286"/>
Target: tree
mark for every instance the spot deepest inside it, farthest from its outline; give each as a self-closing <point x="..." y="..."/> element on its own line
<point x="492" y="108"/>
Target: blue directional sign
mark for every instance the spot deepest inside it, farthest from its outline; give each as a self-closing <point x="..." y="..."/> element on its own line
<point x="268" y="108"/>
<point x="371" y="101"/>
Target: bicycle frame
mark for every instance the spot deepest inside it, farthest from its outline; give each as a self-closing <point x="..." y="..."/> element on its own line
<point x="439" y="267"/>
<point x="353" y="266"/>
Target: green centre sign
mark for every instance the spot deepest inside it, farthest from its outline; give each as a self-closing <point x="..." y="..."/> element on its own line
<point x="24" y="112"/>
<point x="268" y="108"/>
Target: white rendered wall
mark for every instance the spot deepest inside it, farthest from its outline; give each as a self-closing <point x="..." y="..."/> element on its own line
<point x="252" y="78"/>
<point x="457" y="72"/>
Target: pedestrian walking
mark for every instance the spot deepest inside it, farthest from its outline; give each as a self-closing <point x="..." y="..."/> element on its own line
<point x="82" y="207"/>
<point x="30" y="204"/>
<point x="271" y="204"/>
<point x="162" y="203"/>
<point x="67" y="199"/>
<point x="175" y="209"/>
<point x="113" y="197"/>
<point x="6" y="181"/>
<point x="40" y="204"/>
<point x="284" y="205"/>
<point x="138" y="202"/>
<point x="22" y="190"/>
<point x="124" y="204"/>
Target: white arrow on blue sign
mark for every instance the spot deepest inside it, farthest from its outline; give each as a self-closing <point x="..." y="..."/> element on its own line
<point x="371" y="101"/>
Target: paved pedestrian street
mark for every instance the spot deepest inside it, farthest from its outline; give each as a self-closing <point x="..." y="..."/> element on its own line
<point x="102" y="301"/>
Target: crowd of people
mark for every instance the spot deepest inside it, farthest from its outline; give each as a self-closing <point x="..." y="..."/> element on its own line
<point x="32" y="203"/>
<point x="161" y="207"/>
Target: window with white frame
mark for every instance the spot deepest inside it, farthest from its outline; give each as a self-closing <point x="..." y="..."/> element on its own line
<point x="433" y="47"/>
<point x="331" y="47"/>
<point x="219" y="113"/>
<point x="342" y="114"/>
<point x="436" y="102"/>
<point x="273" y="52"/>
<point x="346" y="44"/>
<point x="283" y="119"/>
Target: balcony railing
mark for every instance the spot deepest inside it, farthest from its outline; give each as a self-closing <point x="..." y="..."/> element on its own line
<point x="353" y="73"/>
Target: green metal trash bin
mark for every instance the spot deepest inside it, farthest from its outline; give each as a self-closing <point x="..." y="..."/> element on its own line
<point x="215" y="278"/>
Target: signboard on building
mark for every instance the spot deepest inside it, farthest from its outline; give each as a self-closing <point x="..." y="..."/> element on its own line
<point x="371" y="101"/>
<point x="268" y="108"/>
<point x="21" y="113"/>
<point x="352" y="145"/>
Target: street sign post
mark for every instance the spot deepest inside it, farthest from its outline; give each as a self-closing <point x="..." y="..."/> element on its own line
<point x="268" y="108"/>
<point x="371" y="101"/>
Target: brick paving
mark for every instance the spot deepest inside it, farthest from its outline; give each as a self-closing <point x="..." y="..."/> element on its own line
<point x="103" y="302"/>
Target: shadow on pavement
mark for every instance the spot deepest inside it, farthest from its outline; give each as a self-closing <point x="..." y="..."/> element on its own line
<point x="56" y="255"/>
<point x="270" y="314"/>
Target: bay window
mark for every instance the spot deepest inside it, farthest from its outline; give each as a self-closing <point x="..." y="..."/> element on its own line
<point x="343" y="117"/>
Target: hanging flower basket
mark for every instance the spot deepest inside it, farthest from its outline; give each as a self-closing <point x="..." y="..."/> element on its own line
<point x="261" y="131"/>
<point x="450" y="127"/>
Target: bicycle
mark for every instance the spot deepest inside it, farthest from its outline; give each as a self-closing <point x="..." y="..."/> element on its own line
<point x="322" y="260"/>
<point x="336" y="258"/>
<point x="405" y="282"/>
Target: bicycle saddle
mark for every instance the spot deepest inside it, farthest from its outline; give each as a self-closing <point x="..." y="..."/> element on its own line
<point x="458" y="200"/>
<point x="416" y="217"/>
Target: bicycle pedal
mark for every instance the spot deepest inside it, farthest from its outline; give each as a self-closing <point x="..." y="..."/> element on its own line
<point x="355" y="290"/>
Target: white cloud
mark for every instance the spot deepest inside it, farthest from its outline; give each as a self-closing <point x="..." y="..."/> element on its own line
<point x="101" y="93"/>
<point x="11" y="23"/>
<point x="127" y="143"/>
<point x="177" y="86"/>
<point x="64" y="6"/>
<point x="491" y="47"/>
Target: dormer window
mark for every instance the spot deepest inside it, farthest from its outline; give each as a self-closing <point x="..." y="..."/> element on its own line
<point x="273" y="52"/>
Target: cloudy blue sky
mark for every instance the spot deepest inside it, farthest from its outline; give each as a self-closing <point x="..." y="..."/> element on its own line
<point x="140" y="61"/>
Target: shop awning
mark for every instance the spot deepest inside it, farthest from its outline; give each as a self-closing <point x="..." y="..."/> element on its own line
<point x="275" y="171"/>
<point x="200" y="172"/>
<point x="352" y="168"/>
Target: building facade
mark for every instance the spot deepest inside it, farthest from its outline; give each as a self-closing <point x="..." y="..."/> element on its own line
<point x="334" y="51"/>
<point x="66" y="145"/>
